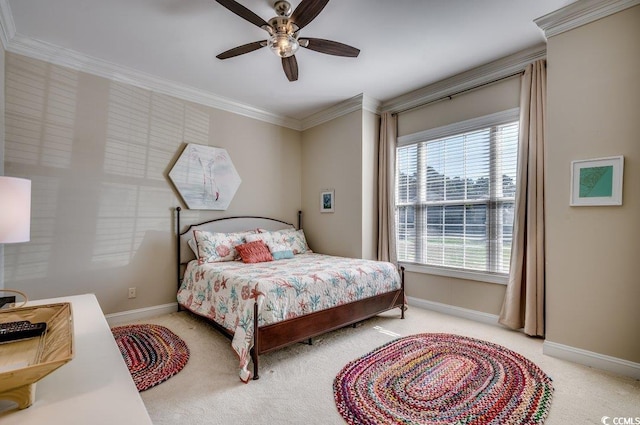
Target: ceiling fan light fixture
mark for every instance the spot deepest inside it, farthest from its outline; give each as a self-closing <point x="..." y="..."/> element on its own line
<point x="283" y="45"/>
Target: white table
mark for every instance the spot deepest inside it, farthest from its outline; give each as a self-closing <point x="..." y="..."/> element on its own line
<point x="95" y="387"/>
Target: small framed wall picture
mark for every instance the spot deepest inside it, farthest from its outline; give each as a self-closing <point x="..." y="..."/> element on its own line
<point x="327" y="201"/>
<point x="597" y="181"/>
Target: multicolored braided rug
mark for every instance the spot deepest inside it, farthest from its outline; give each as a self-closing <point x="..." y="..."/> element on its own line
<point x="442" y="379"/>
<point x="152" y="353"/>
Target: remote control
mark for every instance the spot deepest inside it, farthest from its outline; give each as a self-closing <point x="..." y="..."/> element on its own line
<point x="22" y="329"/>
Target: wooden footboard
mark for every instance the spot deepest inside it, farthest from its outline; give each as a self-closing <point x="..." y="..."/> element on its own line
<point x="277" y="335"/>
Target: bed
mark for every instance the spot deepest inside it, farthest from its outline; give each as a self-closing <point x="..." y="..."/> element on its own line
<point x="265" y="304"/>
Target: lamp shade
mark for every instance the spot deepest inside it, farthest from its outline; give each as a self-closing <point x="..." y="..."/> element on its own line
<point x="15" y="209"/>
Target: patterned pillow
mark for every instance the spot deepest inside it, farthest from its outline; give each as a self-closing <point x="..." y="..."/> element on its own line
<point x="298" y="242"/>
<point x="254" y="252"/>
<point x="218" y="247"/>
<point x="293" y="239"/>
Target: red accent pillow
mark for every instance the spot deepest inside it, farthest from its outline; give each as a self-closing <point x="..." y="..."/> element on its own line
<point x="254" y="252"/>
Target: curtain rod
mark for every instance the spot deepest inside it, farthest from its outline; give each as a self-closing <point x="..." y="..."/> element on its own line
<point x="450" y="96"/>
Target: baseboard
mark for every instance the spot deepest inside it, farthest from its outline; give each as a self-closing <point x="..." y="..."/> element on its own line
<point x="591" y="359"/>
<point x="549" y="348"/>
<point x="140" y="313"/>
<point x="465" y="313"/>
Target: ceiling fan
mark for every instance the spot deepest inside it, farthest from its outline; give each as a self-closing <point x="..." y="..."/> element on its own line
<point x="284" y="32"/>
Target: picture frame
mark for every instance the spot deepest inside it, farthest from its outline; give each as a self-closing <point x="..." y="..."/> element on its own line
<point x="597" y="182"/>
<point x="205" y="177"/>
<point x="327" y="201"/>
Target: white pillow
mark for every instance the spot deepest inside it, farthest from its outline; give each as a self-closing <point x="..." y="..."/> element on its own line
<point x="193" y="245"/>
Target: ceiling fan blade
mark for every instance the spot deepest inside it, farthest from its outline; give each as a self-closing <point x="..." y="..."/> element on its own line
<point x="241" y="50"/>
<point x="330" y="47"/>
<point x="306" y="12"/>
<point x="290" y="66"/>
<point x="243" y="12"/>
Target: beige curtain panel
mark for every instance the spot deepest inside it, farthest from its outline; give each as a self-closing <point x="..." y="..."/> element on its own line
<point x="523" y="305"/>
<point x="386" y="188"/>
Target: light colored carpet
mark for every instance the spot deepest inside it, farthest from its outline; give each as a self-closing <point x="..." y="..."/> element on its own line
<point x="295" y="385"/>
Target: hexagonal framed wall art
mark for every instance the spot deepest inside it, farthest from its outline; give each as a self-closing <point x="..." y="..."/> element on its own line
<point x="205" y="177"/>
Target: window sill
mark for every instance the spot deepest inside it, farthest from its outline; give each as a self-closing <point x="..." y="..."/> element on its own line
<point x="456" y="273"/>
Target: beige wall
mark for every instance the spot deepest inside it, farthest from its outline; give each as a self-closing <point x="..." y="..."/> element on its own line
<point x="98" y="153"/>
<point x="501" y="96"/>
<point x="472" y="295"/>
<point x="486" y="100"/>
<point x="332" y="159"/>
<point x="341" y="155"/>
<point x="593" y="284"/>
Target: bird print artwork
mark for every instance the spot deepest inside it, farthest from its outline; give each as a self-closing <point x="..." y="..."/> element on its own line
<point x="205" y="177"/>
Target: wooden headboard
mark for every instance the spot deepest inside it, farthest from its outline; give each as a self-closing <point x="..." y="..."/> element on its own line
<point x="224" y="225"/>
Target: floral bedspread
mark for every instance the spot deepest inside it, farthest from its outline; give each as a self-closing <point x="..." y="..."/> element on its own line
<point x="226" y="291"/>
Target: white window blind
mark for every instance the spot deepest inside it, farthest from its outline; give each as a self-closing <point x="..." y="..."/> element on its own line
<point x="455" y="194"/>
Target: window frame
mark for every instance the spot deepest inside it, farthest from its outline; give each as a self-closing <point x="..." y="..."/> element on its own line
<point x="474" y="124"/>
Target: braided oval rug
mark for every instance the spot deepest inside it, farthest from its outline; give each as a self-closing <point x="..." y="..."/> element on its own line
<point x="442" y="379"/>
<point x="152" y="353"/>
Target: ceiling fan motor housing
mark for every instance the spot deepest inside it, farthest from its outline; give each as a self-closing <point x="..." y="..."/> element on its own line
<point x="283" y="8"/>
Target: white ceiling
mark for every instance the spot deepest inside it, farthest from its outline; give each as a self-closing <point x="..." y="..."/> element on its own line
<point x="405" y="44"/>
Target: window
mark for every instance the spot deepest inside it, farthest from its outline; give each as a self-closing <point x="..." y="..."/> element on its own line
<point x="455" y="193"/>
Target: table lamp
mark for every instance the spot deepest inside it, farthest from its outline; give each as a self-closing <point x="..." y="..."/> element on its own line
<point x="15" y="209"/>
<point x="36" y="340"/>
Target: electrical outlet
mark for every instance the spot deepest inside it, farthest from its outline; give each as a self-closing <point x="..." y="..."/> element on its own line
<point x="132" y="292"/>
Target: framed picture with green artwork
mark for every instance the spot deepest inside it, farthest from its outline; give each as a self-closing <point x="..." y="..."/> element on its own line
<point x="597" y="181"/>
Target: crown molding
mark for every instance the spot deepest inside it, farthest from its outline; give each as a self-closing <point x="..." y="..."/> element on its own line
<point x="356" y="103"/>
<point x="17" y="43"/>
<point x="574" y="15"/>
<point x="7" y="26"/>
<point x="467" y="80"/>
<point x="37" y="49"/>
<point x="580" y="13"/>
<point x="65" y="57"/>
<point x="371" y="105"/>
